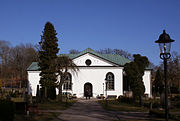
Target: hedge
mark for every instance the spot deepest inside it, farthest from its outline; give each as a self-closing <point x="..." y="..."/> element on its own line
<point x="6" y="110"/>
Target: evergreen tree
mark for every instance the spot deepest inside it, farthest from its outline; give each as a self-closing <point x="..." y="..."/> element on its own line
<point x="47" y="55"/>
<point x="158" y="83"/>
<point x="134" y="75"/>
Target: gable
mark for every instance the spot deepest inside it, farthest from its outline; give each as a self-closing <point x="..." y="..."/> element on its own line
<point x="112" y="58"/>
<point x="95" y="60"/>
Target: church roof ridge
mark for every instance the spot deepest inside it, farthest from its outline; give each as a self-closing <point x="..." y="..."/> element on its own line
<point x="113" y="58"/>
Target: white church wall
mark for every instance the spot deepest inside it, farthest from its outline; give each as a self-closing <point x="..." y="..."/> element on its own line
<point x="96" y="76"/>
<point x="147" y="82"/>
<point x="33" y="77"/>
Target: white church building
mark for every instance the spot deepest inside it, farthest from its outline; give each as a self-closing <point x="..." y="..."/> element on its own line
<point x="97" y="72"/>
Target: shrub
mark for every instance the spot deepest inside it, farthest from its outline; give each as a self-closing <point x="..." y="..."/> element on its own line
<point x="6" y="110"/>
<point x="146" y="104"/>
<point x="177" y="104"/>
<point x="13" y="94"/>
<point x="125" y="99"/>
<point x="20" y="107"/>
<point x="156" y="105"/>
<point x="176" y="98"/>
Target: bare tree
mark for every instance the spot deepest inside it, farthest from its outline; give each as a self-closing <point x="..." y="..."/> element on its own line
<point x="4" y="57"/>
<point x="15" y="60"/>
<point x="73" y="51"/>
<point x="117" y="52"/>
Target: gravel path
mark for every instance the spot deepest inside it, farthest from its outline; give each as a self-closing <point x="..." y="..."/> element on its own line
<point x="90" y="110"/>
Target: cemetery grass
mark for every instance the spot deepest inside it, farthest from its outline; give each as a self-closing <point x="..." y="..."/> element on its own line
<point x="37" y="117"/>
<point x="45" y="116"/>
<point x="55" y="105"/>
<point x="115" y="105"/>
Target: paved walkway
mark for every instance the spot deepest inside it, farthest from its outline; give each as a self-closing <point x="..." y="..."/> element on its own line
<point x="90" y="110"/>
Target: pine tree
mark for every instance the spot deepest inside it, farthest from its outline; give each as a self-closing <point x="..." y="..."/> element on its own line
<point x="47" y="55"/>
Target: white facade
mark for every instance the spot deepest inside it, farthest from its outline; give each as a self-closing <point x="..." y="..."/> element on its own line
<point x="94" y="74"/>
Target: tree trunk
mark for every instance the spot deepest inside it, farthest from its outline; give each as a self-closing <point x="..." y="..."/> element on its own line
<point x="60" y="93"/>
<point x="140" y="100"/>
<point x="60" y="86"/>
<point x="45" y="92"/>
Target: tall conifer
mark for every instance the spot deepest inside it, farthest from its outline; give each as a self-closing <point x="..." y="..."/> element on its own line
<point x="47" y="56"/>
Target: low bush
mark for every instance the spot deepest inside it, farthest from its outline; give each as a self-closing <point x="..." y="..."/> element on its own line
<point x="125" y="99"/>
<point x="156" y="105"/>
<point x="146" y="104"/>
<point x="176" y="104"/>
<point x="20" y="107"/>
<point x="6" y="110"/>
<point x="176" y="98"/>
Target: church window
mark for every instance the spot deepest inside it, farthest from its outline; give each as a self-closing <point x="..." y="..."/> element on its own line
<point x="88" y="62"/>
<point x="67" y="82"/>
<point x="110" y="81"/>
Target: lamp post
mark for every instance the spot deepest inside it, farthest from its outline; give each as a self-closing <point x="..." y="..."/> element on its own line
<point x="103" y="91"/>
<point x="106" y="91"/>
<point x="72" y="88"/>
<point x="164" y="42"/>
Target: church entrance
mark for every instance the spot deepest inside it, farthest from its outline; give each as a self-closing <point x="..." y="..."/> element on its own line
<point x="88" y="90"/>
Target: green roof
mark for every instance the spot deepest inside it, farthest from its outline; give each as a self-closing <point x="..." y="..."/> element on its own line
<point x="33" y="67"/>
<point x="116" y="59"/>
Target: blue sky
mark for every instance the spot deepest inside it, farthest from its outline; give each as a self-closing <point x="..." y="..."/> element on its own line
<point x="131" y="25"/>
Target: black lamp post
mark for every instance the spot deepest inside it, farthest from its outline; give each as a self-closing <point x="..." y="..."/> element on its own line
<point x="164" y="42"/>
<point x="103" y="91"/>
<point x="106" y="91"/>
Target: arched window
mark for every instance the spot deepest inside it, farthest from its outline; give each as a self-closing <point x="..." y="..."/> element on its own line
<point x="67" y="82"/>
<point x="110" y="81"/>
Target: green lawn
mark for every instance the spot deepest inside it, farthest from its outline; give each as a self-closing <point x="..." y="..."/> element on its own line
<point x="46" y="116"/>
<point x="119" y="106"/>
<point x="114" y="105"/>
<point x="38" y="117"/>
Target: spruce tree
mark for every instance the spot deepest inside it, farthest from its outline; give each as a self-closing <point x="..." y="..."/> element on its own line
<point x="47" y="55"/>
